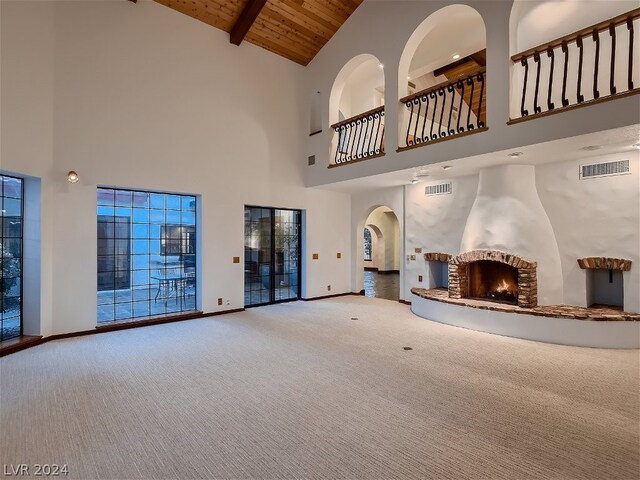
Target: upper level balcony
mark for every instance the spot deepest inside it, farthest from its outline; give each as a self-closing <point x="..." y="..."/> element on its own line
<point x="431" y="79"/>
<point x="595" y="64"/>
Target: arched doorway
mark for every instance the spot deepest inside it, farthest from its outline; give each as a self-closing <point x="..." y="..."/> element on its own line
<point x="381" y="259"/>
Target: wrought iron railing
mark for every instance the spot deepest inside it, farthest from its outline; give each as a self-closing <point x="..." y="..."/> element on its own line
<point x="447" y="109"/>
<point x="589" y="74"/>
<point x="360" y="137"/>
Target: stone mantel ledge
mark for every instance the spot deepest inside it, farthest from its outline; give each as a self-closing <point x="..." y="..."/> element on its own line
<point x="437" y="257"/>
<point x="555" y="311"/>
<point x="605" y="263"/>
<point x="495" y="255"/>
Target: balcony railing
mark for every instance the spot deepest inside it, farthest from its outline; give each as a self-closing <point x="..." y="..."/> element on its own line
<point x="360" y="137"/>
<point x="453" y="108"/>
<point x="585" y="76"/>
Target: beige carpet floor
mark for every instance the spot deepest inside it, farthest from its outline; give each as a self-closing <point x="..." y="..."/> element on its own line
<point x="301" y="390"/>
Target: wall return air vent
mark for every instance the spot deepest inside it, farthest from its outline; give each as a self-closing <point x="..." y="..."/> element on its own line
<point x="439" y="189"/>
<point x="595" y="170"/>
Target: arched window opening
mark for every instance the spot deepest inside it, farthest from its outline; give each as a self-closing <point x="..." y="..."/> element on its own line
<point x="443" y="89"/>
<point x="357" y="108"/>
<point x="565" y="55"/>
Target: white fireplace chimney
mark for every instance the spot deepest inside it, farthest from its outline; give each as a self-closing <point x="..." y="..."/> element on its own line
<point x="507" y="216"/>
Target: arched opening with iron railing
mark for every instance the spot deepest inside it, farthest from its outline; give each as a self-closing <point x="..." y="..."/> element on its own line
<point x="442" y="78"/>
<point x="566" y="56"/>
<point x="356" y="111"/>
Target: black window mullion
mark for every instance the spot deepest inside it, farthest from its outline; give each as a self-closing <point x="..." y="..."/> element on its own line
<point x="136" y="295"/>
<point x="15" y="238"/>
<point x="272" y="270"/>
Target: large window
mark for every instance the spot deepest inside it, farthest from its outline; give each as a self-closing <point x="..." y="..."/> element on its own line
<point x="11" y="203"/>
<point x="146" y="254"/>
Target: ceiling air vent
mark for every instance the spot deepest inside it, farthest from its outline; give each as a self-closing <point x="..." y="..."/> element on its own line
<point x="607" y="169"/>
<point x="439" y="189"/>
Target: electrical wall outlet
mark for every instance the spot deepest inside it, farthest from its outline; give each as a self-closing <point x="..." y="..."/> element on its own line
<point x="228" y="302"/>
<point x="329" y="288"/>
<point x="420" y="278"/>
<point x="219" y="301"/>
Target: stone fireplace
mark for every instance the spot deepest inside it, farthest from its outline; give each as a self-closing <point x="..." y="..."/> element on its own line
<point x="508" y="224"/>
<point x="494" y="276"/>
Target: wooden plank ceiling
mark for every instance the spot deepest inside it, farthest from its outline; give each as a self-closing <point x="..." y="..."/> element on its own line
<point x="294" y="29"/>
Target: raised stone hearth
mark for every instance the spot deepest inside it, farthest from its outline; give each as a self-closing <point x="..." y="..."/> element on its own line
<point x="554" y="311"/>
<point x="459" y="275"/>
<point x="605" y="263"/>
<point x="599" y="327"/>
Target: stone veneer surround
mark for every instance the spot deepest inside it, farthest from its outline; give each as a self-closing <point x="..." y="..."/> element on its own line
<point x="605" y="263"/>
<point x="527" y="274"/>
<point x="437" y="257"/>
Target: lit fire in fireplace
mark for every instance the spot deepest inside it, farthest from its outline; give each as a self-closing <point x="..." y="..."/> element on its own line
<point x="504" y="291"/>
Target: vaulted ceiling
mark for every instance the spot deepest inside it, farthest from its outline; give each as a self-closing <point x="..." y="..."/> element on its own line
<point x="294" y="29"/>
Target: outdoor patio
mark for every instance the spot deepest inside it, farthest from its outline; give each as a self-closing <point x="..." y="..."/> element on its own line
<point x="142" y="302"/>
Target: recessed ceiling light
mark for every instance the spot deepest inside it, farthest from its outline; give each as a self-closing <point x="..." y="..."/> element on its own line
<point x="456" y="56"/>
<point x="591" y="148"/>
<point x="408" y="77"/>
<point x="636" y="145"/>
<point x="446" y="167"/>
<point x="380" y="65"/>
<point x="72" y="177"/>
<point x="515" y="154"/>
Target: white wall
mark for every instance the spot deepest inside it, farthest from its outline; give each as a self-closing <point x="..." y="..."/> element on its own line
<point x="435" y="224"/>
<point x="26" y="92"/>
<point x="143" y="97"/>
<point x="539" y="22"/>
<point x="597" y="217"/>
<point x="359" y="94"/>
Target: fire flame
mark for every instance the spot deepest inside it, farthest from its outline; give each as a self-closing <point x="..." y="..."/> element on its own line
<point x="503" y="287"/>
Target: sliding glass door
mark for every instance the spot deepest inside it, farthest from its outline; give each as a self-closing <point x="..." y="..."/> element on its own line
<point x="271" y="255"/>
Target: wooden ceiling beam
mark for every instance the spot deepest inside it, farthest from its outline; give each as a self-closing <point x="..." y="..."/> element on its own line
<point x="294" y="29"/>
<point x="245" y="20"/>
<point x="479" y="58"/>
